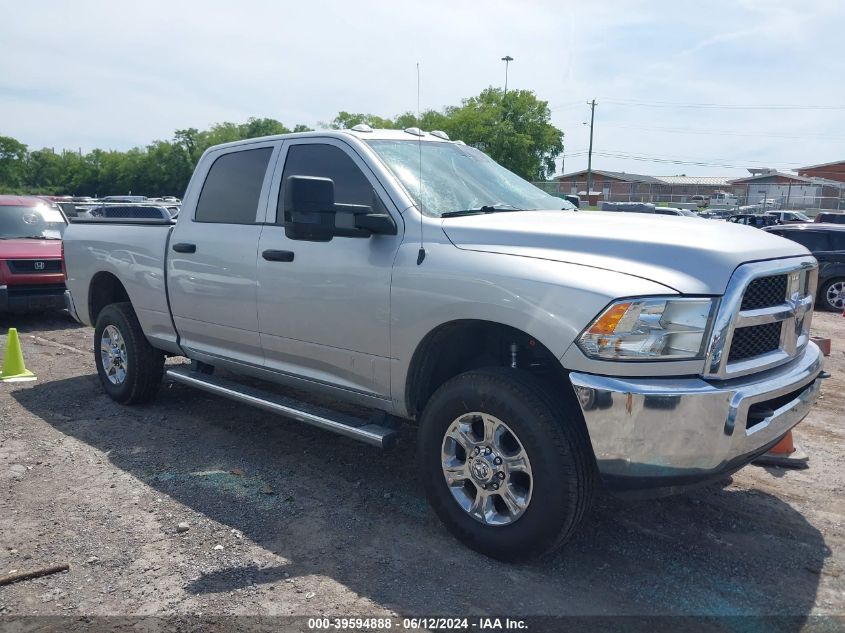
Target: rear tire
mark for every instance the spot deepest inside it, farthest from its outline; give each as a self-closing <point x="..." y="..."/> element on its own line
<point x="130" y="369"/>
<point x="832" y="295"/>
<point x="545" y="501"/>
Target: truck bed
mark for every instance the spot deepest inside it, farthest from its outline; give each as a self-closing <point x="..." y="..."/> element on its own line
<point x="133" y="250"/>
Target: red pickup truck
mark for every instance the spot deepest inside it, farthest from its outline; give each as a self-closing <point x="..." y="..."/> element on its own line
<point x="31" y="266"/>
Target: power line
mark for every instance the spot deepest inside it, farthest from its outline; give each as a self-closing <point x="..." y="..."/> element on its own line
<point x="699" y="163"/>
<point x="724" y="106"/>
<point x="682" y="130"/>
<point x="713" y="160"/>
<point x="668" y="161"/>
<point x="561" y="106"/>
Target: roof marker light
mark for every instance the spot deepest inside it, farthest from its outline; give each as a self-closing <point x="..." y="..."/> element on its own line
<point x="361" y="127"/>
<point x="415" y="131"/>
<point x="440" y="134"/>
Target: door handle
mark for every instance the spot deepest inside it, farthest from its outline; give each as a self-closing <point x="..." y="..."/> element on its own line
<point x="184" y="247"/>
<point x="278" y="256"/>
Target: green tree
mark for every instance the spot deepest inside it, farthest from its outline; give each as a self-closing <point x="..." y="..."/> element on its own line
<point x="44" y="171"/>
<point x="189" y="141"/>
<point x="428" y="120"/>
<point x="345" y="120"/>
<point x="513" y="129"/>
<point x="254" y="128"/>
<point x="12" y="162"/>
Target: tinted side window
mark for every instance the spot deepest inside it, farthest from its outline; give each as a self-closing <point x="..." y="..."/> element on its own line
<point x="232" y="188"/>
<point x="837" y="241"/>
<point x="327" y="161"/>
<point x="813" y="240"/>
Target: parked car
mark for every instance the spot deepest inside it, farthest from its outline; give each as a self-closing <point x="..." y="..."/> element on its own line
<point x="700" y="201"/>
<point x="723" y="199"/>
<point x="513" y="334"/>
<point x="830" y="217"/>
<point x="827" y="244"/>
<point x="628" y="207"/>
<point x="573" y="199"/>
<point x="754" y="219"/>
<point x="31" y="270"/>
<point x="789" y="217"/>
<point x="123" y="199"/>
<point x="675" y="211"/>
<point x="716" y="214"/>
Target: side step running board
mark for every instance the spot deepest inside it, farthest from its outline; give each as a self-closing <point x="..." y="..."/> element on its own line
<point x="369" y="431"/>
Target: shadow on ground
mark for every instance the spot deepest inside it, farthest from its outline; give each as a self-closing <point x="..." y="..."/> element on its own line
<point x="38" y="322"/>
<point x="356" y="514"/>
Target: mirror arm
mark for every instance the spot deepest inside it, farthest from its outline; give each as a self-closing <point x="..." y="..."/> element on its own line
<point x="379" y="223"/>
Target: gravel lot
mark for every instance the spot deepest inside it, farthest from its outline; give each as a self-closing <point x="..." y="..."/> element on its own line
<point x="284" y="519"/>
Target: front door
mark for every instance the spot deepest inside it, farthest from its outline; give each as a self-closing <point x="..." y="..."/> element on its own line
<point x="325" y="313"/>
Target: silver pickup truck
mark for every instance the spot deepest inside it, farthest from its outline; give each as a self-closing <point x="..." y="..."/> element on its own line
<point x="542" y="352"/>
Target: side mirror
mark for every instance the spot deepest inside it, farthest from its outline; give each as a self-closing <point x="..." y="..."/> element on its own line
<point x="309" y="208"/>
<point x="309" y="194"/>
<point x="312" y="214"/>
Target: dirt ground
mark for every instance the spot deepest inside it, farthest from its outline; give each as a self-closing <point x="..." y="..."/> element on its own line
<point x="285" y="519"/>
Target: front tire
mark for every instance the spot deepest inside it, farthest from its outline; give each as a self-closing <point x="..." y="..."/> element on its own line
<point x="130" y="369"/>
<point x="506" y="466"/>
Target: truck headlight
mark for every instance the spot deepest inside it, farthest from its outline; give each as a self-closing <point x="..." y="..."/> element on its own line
<point x="650" y="329"/>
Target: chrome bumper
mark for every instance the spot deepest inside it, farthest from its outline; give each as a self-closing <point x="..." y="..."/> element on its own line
<point x="665" y="433"/>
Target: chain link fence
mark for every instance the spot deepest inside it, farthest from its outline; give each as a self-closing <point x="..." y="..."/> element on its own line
<point x="806" y="197"/>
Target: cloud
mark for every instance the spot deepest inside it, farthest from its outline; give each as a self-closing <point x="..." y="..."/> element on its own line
<point x="96" y="73"/>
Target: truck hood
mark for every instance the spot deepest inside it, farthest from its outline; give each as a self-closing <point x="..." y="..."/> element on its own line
<point x="690" y="255"/>
<point x="30" y="249"/>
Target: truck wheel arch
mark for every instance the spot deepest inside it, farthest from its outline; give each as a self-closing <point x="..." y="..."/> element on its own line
<point x="105" y="288"/>
<point x="463" y="345"/>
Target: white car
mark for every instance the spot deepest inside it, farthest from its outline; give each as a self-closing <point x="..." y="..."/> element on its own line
<point x="790" y="217"/>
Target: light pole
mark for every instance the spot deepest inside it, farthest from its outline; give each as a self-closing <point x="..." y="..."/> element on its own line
<point x="507" y="59"/>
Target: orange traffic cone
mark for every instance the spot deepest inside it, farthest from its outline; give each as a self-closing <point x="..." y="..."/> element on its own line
<point x="785" y="455"/>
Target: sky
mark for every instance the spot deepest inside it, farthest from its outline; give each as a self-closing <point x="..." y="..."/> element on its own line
<point x="115" y="75"/>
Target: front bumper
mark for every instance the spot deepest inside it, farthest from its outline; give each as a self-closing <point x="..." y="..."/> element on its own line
<point x="31" y="298"/>
<point x="657" y="435"/>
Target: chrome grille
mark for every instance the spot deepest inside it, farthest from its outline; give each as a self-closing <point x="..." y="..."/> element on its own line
<point x="28" y="266"/>
<point x="757" y="340"/>
<point x="765" y="292"/>
<point x="764" y="317"/>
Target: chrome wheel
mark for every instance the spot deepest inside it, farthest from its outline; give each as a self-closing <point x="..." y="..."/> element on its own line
<point x="113" y="355"/>
<point x="487" y="469"/>
<point x="836" y="295"/>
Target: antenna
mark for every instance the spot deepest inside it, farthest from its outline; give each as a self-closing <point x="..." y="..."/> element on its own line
<point x="421" y="252"/>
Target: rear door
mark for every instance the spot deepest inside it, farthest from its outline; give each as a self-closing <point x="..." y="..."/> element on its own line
<point x="832" y="258"/>
<point x="212" y="254"/>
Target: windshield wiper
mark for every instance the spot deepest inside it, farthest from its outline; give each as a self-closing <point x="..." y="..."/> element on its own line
<point x="487" y="208"/>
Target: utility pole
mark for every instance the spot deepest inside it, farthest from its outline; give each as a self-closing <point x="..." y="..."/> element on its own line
<point x="592" y="105"/>
<point x="507" y="59"/>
